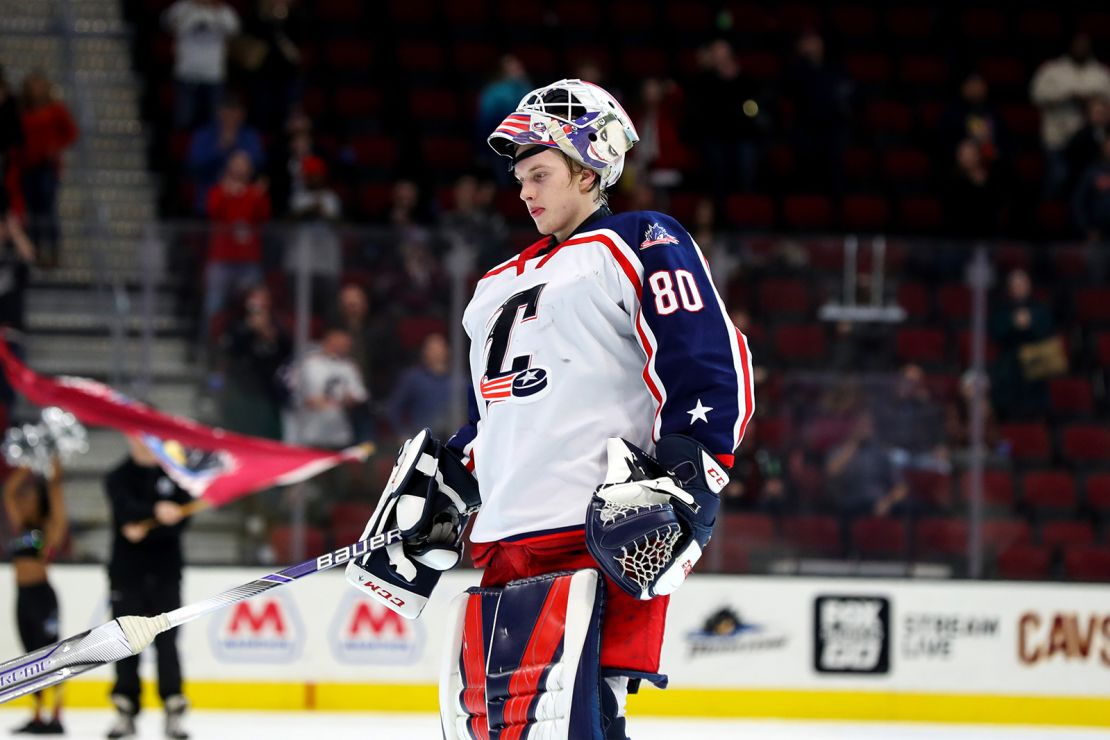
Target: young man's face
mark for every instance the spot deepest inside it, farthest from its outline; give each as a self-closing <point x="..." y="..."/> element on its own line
<point x="551" y="192"/>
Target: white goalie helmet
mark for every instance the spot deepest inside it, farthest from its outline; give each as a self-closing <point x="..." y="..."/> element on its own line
<point x="578" y="118"/>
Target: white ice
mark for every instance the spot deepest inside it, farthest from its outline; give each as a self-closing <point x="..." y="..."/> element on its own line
<point x="210" y="725"/>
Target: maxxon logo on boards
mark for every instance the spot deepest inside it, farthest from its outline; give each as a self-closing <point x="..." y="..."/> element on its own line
<point x="364" y="631"/>
<point x="265" y="629"/>
<point x="851" y="634"/>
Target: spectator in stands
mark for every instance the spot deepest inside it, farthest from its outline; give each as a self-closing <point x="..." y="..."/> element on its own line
<point x="1018" y="321"/>
<point x="407" y="212"/>
<point x="11" y="139"/>
<point x="328" y="388"/>
<point x="1091" y="202"/>
<point x="974" y="118"/>
<point x="314" y="244"/>
<point x="1060" y="88"/>
<point x="729" y="137"/>
<point x="658" y="158"/>
<point x="253" y="351"/>
<point x="1085" y="148"/>
<point x="213" y="145"/>
<point x="913" y="424"/>
<point x="285" y="163"/>
<point x="958" y="416"/>
<point x="237" y="209"/>
<point x="353" y="314"/>
<point x="419" y="287"/>
<point x="49" y="130"/>
<point x="822" y="99"/>
<point x="17" y="254"/>
<point x="480" y="227"/>
<point x="861" y="479"/>
<point x="201" y="30"/>
<point x="268" y="54"/>
<point x="423" y="394"/>
<point x="756" y="480"/>
<point x="976" y="196"/>
<point x="497" y="100"/>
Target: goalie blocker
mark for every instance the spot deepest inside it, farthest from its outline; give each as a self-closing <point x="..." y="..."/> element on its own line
<point x="429" y="497"/>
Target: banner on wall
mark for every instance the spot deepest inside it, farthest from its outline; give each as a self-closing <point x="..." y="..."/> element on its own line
<point x="214" y="465"/>
<point x="739" y="633"/>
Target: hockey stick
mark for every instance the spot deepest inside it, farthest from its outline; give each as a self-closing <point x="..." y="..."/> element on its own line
<point x="127" y="636"/>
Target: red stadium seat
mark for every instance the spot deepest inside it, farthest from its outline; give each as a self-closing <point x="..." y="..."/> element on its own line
<point x="1029" y="442"/>
<point x="433" y="104"/>
<point x="1051" y="490"/>
<point x="865" y="213"/>
<point x="1071" y="396"/>
<point x="408" y="13"/>
<point x="889" y="116"/>
<point x="281" y="540"/>
<point x="936" y="537"/>
<point x="800" y="343"/>
<point x="808" y="211"/>
<point x="1053" y="217"/>
<point x="1086" y="443"/>
<point x="914" y="300"/>
<point x="761" y="65"/>
<point x="1096" y="492"/>
<point x="859" y="163"/>
<point x="1003" y="71"/>
<point x="1102" y="348"/>
<point x="1087" y="563"/>
<point x="411" y="330"/>
<point x="920" y="213"/>
<point x="1030" y="167"/>
<point x="868" y="68"/>
<point x="374" y="151"/>
<point x="374" y="198"/>
<point x="879" y="537"/>
<point x="798" y="17"/>
<point x="421" y="56"/>
<point x="1093" y="305"/>
<point x="901" y="166"/>
<point x="921" y="345"/>
<point x="1042" y="25"/>
<point x="784" y="296"/>
<point x="523" y="14"/>
<point x="1024" y="562"/>
<point x="954" y="301"/>
<point x="750" y="210"/>
<point x="854" y="21"/>
<point x="923" y="70"/>
<point x="983" y="23"/>
<point x="812" y="535"/>
<point x="349" y="54"/>
<point x="693" y="17"/>
<point x="998" y="488"/>
<point x="446" y="152"/>
<point x="1000" y="534"/>
<point x="474" y="57"/>
<point x="1060" y="534"/>
<point x="630" y="15"/>
<point x="357" y="102"/>
<point x="915" y="22"/>
<point x="1070" y="262"/>
<point x="467" y="13"/>
<point x="753" y="530"/>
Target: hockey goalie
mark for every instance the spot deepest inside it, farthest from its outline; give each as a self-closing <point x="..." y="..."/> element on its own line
<point x="608" y="392"/>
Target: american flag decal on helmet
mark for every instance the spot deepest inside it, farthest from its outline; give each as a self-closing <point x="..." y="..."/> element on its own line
<point x="656" y="234"/>
<point x="514" y="124"/>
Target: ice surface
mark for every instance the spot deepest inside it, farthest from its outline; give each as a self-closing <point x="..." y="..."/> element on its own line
<point x="207" y="725"/>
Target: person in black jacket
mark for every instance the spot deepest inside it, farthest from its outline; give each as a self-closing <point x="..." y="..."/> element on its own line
<point x="144" y="574"/>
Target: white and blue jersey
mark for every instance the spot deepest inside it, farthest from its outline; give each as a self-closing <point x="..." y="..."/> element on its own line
<point x="616" y="332"/>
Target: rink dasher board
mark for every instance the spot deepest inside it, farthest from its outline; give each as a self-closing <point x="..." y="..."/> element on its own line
<point x="736" y="646"/>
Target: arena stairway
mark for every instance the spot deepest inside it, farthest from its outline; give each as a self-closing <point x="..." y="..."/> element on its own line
<point x="84" y="317"/>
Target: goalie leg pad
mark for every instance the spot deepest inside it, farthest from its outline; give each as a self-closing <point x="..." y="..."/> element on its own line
<point x="536" y="673"/>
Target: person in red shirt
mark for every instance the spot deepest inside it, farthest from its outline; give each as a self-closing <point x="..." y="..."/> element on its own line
<point x="48" y="130"/>
<point x="237" y="208"/>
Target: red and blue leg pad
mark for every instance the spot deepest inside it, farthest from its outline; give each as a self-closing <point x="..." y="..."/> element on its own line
<point x="525" y="663"/>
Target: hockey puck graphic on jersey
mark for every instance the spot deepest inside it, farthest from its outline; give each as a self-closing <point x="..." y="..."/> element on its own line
<point x="529" y="382"/>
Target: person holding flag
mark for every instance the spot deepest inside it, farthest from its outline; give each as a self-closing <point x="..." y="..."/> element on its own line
<point x="144" y="573"/>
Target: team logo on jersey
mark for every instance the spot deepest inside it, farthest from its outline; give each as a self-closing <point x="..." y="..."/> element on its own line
<point x="528" y="384"/>
<point x="656" y="234"/>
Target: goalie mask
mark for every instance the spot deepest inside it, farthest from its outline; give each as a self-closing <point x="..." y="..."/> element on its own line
<point x="579" y="119"/>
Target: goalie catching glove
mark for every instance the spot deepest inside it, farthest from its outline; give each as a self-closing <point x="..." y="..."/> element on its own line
<point x="649" y="522"/>
<point x="429" y="497"/>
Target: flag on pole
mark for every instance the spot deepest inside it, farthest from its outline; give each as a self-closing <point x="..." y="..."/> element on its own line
<point x="212" y="464"/>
